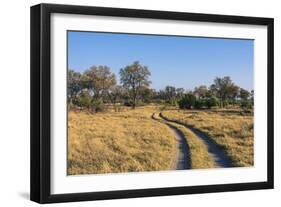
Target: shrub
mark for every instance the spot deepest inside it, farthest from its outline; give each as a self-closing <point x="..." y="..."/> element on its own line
<point x="187" y="101"/>
<point x="200" y="103"/>
<point x="83" y="100"/>
<point x="212" y="102"/>
<point x="128" y="103"/>
<point x="172" y="102"/>
<point x="225" y="103"/>
<point x="97" y="106"/>
<point x="248" y="104"/>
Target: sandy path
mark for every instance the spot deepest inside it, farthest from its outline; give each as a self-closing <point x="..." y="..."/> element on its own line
<point x="218" y="154"/>
<point x="182" y="155"/>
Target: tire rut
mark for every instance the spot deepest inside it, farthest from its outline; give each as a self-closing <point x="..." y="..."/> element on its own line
<point x="182" y="159"/>
<point x="219" y="156"/>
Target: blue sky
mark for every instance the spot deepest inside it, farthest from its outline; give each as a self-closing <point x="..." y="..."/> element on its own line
<point x="172" y="60"/>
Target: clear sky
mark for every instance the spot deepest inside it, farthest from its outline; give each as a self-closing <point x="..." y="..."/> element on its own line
<point x="172" y="60"/>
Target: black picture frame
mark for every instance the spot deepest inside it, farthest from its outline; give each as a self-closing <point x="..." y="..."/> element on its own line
<point x="41" y="99"/>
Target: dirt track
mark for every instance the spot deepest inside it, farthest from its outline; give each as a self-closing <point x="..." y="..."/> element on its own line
<point x="182" y="156"/>
<point x="218" y="154"/>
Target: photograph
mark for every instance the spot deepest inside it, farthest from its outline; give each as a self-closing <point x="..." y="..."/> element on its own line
<point x="148" y="102"/>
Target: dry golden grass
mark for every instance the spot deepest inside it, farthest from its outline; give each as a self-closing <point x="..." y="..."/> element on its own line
<point x="130" y="141"/>
<point x="111" y="142"/>
<point x="229" y="129"/>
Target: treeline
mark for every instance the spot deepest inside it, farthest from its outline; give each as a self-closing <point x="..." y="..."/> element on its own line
<point x="97" y="88"/>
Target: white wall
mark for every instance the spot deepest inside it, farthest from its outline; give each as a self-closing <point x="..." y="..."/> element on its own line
<point x="14" y="101"/>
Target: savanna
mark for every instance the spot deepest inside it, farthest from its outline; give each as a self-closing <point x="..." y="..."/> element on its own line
<point x="121" y="121"/>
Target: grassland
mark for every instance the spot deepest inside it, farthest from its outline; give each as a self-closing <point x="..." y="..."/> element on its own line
<point x="111" y="142"/>
<point x="131" y="141"/>
<point x="230" y="129"/>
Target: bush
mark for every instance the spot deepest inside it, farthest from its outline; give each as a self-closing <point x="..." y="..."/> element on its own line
<point x="225" y="103"/>
<point x="200" y="103"/>
<point x="187" y="101"/>
<point x="172" y="102"/>
<point x="97" y="106"/>
<point x="83" y="100"/>
<point x="248" y="104"/>
<point x="128" y="103"/>
<point x="212" y="102"/>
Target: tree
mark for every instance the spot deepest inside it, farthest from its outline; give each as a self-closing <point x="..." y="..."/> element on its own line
<point x="73" y="84"/>
<point x="170" y="93"/>
<point x="201" y="91"/>
<point x="244" y="94"/>
<point x="146" y="94"/>
<point x="116" y="95"/>
<point x="232" y="93"/>
<point x="252" y="96"/>
<point x="134" y="77"/>
<point x="224" y="88"/>
<point x="180" y="92"/>
<point x="246" y="98"/>
<point x="161" y="94"/>
<point x="99" y="80"/>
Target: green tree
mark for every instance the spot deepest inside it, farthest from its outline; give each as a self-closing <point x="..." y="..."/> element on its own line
<point x="224" y="88"/>
<point x="246" y="98"/>
<point x="232" y="91"/>
<point x="134" y="77"/>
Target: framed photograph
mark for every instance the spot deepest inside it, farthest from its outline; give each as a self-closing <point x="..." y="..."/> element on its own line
<point x="133" y="103"/>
